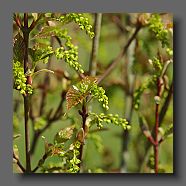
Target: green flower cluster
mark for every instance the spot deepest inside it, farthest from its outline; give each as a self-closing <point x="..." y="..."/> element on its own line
<point x="157" y="65"/>
<point x="69" y="157"/>
<point x="82" y="21"/>
<point x="38" y="53"/>
<point x="20" y="79"/>
<point x="68" y="147"/>
<point x="70" y="57"/>
<point x="169" y="51"/>
<point x="74" y="161"/>
<point x="156" y="26"/>
<point x="70" y="54"/>
<point x="109" y="118"/>
<point x="99" y="93"/>
<point x="137" y="95"/>
<point x="150" y="83"/>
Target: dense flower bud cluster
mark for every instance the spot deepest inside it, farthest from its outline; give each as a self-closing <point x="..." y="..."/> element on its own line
<point x="82" y="21"/>
<point x="109" y="118"/>
<point x="20" y="79"/>
<point x="156" y="26"/>
<point x="99" y="93"/>
<point x="157" y="65"/>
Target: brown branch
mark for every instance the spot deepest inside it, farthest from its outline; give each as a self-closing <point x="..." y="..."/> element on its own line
<point x="18" y="163"/>
<point x="34" y="22"/>
<point x="118" y="22"/>
<point x="120" y="55"/>
<point x="58" y="113"/>
<point x="84" y="115"/>
<point x="95" y="44"/>
<point x="41" y="162"/>
<point x="156" y="150"/>
<point x="161" y="117"/>
<point x="18" y="21"/>
<point x="146" y="132"/>
<point x="166" y="104"/>
<point x="26" y="97"/>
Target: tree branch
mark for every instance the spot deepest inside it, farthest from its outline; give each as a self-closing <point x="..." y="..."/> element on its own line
<point x="120" y="55"/>
<point x="156" y="150"/>
<point x="17" y="20"/>
<point x="84" y="115"/>
<point x="58" y="113"/>
<point x="26" y="97"/>
<point x="95" y="44"/>
<point x="18" y="162"/>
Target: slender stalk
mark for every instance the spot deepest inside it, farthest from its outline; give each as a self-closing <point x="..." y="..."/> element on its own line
<point x="130" y="79"/>
<point x="95" y="44"/>
<point x="18" y="162"/>
<point x="125" y="135"/>
<point x="166" y="104"/>
<point x="112" y="65"/>
<point x="41" y="162"/>
<point x="161" y="117"/>
<point x="156" y="150"/>
<point x="17" y="20"/>
<point x="84" y="115"/>
<point x="26" y="97"/>
<point x="58" y="113"/>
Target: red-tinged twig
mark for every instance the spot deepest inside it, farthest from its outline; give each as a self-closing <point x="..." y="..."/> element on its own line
<point x="161" y="117"/>
<point x="156" y="150"/>
<point x="18" y="21"/>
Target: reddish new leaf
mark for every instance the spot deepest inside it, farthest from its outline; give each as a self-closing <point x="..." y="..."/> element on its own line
<point x="76" y="94"/>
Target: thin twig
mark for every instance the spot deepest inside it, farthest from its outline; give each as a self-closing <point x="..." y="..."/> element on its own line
<point x="120" y="55"/>
<point x="18" y="163"/>
<point x="84" y="115"/>
<point x="166" y="104"/>
<point x="58" y="113"/>
<point x="34" y="22"/>
<point x="95" y="44"/>
<point x="41" y="162"/>
<point x="17" y="20"/>
<point x="156" y="151"/>
<point x="161" y="117"/>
